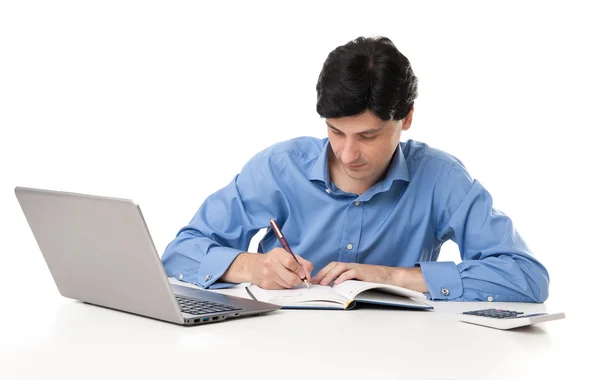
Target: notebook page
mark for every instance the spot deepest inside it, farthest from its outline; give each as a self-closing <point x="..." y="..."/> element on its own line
<point x="350" y="288"/>
<point x="297" y="295"/>
<point x="377" y="297"/>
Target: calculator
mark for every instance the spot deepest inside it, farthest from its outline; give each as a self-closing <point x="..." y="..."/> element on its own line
<point x="506" y="319"/>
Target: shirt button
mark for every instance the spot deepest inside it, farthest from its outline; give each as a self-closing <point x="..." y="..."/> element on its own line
<point x="445" y="291"/>
<point x="327" y="191"/>
<point x="349" y="246"/>
<point x="490" y="298"/>
<point x="208" y="277"/>
<point x="356" y="203"/>
<point x="181" y="277"/>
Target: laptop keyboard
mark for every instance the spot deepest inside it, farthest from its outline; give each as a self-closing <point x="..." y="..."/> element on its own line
<point x="197" y="307"/>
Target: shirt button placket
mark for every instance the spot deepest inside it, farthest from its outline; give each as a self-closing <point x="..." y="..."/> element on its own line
<point x="352" y="231"/>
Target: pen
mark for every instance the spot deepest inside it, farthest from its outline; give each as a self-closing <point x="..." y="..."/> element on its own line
<point x="285" y="245"/>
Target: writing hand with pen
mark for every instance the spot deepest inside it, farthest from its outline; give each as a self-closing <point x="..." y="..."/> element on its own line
<point x="277" y="269"/>
<point x="281" y="268"/>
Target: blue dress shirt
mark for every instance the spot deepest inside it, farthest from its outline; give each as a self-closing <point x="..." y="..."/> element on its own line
<point x="426" y="197"/>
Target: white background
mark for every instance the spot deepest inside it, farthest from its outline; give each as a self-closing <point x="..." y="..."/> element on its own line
<point x="163" y="102"/>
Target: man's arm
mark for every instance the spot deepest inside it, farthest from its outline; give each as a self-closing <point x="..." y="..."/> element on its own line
<point x="496" y="263"/>
<point x="222" y="228"/>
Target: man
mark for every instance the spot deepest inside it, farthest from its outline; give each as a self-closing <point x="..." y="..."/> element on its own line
<point x="359" y="204"/>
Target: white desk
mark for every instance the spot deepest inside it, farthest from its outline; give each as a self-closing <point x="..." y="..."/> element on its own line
<point x="72" y="340"/>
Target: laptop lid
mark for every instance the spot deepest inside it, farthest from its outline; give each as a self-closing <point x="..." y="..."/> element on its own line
<point x="99" y="250"/>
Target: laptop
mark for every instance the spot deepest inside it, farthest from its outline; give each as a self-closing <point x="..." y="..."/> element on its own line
<point x="99" y="251"/>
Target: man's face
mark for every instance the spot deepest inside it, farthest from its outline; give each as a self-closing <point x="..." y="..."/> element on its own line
<point x="363" y="145"/>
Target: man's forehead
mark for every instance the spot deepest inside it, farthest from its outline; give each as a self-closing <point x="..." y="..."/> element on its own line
<point x="356" y="126"/>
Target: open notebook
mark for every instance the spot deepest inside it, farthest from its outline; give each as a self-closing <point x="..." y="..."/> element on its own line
<point x="343" y="296"/>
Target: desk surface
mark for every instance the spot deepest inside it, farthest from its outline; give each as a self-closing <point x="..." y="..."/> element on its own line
<point x="70" y="339"/>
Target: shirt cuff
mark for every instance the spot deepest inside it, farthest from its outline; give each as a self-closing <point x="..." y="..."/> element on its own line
<point x="214" y="265"/>
<point x="442" y="279"/>
<point x="207" y="271"/>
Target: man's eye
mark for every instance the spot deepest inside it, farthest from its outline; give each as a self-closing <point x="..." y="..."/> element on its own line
<point x="336" y="132"/>
<point x="370" y="137"/>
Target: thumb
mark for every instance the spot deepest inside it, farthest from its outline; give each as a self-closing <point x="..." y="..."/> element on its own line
<point x="307" y="268"/>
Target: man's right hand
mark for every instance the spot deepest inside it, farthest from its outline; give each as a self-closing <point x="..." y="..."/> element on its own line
<point x="275" y="269"/>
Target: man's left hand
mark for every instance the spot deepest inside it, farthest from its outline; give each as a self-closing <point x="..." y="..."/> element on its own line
<point x="341" y="272"/>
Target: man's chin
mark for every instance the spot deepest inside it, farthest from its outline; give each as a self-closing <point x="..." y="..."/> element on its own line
<point x="356" y="175"/>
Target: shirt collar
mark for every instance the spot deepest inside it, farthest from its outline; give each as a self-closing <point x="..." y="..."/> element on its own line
<point x="319" y="170"/>
<point x="398" y="170"/>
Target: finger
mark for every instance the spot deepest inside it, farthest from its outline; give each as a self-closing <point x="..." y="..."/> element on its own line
<point x="285" y="274"/>
<point x="271" y="285"/>
<point x="296" y="266"/>
<point x="270" y="275"/>
<point x="284" y="283"/>
<point x="285" y="266"/>
<point x="288" y="261"/>
<point x="303" y="270"/>
<point x="308" y="268"/>
<point x="323" y="272"/>
<point x="334" y="273"/>
<point x="347" y="275"/>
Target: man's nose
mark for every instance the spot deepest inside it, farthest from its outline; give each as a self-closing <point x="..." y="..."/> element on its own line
<point x="351" y="151"/>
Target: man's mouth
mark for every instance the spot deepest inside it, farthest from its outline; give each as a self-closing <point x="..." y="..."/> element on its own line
<point x="354" y="167"/>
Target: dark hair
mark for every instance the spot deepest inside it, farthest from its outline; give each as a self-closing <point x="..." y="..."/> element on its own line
<point x="366" y="73"/>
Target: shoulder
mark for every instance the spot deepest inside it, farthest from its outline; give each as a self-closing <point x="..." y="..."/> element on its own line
<point x="422" y="157"/>
<point x="303" y="147"/>
<point x="296" y="151"/>
<point x="416" y="151"/>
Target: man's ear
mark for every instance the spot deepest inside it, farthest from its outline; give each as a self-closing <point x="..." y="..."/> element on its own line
<point x="407" y="121"/>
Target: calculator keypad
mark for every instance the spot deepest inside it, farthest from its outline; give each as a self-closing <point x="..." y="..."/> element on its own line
<point x="494" y="313"/>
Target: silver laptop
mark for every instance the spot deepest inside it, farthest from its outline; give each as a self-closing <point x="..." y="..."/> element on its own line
<point x="99" y="251"/>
